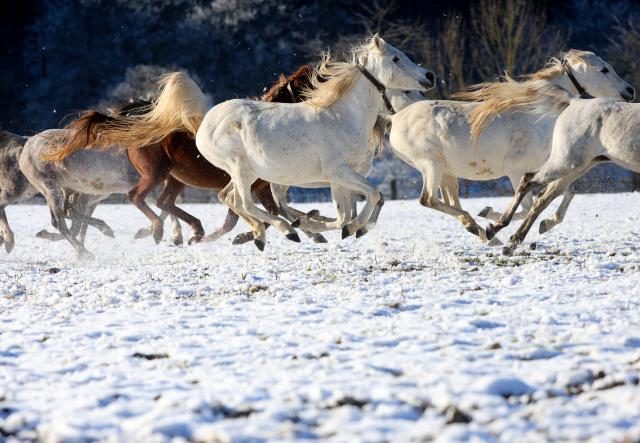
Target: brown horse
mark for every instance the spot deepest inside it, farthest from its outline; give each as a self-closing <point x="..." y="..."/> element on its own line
<point x="173" y="157"/>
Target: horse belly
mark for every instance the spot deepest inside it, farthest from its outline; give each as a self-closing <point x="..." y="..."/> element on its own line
<point x="287" y="169"/>
<point x="192" y="169"/>
<point x="97" y="173"/>
<point x="481" y="161"/>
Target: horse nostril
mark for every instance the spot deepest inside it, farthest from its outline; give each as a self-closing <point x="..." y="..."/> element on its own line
<point x="431" y="77"/>
<point x="631" y="91"/>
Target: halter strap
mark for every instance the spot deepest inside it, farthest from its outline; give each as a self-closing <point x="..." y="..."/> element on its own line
<point x="576" y="84"/>
<point x="379" y="86"/>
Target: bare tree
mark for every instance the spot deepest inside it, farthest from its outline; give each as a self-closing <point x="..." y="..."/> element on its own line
<point x="446" y="54"/>
<point x="512" y="36"/>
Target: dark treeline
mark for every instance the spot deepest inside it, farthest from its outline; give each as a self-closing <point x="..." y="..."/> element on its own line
<point x="61" y="56"/>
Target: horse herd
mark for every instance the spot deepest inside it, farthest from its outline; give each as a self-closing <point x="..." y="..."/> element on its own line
<point x="323" y="127"/>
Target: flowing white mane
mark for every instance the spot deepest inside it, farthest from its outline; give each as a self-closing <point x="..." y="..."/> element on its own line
<point x="509" y="94"/>
<point x="331" y="79"/>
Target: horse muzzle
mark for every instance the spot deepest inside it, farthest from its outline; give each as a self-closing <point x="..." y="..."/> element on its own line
<point x="629" y="94"/>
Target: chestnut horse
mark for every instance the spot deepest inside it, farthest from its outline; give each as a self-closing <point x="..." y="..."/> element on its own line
<point x="174" y="155"/>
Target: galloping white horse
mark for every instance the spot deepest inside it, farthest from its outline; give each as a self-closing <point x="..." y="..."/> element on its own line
<point x="587" y="132"/>
<point x="321" y="140"/>
<point x="345" y="200"/>
<point x="485" y="141"/>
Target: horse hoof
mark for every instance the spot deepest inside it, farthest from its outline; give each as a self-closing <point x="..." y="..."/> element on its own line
<point x="533" y="246"/>
<point x="319" y="238"/>
<point x="508" y="250"/>
<point x="178" y="241"/>
<point x="85" y="255"/>
<point x="360" y="232"/>
<point x="295" y="223"/>
<point x="543" y="227"/>
<point x="157" y="237"/>
<point x="491" y="232"/>
<point x="142" y="233"/>
<point x="8" y="246"/>
<point x="474" y="230"/>
<point x="345" y="232"/>
<point x="313" y="213"/>
<point x="195" y="239"/>
<point x="242" y="238"/>
<point x="293" y="236"/>
<point x="108" y="232"/>
<point x="259" y="244"/>
<point x="485" y="212"/>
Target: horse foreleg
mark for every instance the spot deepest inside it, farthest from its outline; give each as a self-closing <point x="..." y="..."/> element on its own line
<point x="525" y="204"/>
<point x="7" y="233"/>
<point x="526" y="185"/>
<point x="548" y="194"/>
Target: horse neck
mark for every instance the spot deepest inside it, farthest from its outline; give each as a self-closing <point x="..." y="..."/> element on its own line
<point x="563" y="81"/>
<point x="361" y="104"/>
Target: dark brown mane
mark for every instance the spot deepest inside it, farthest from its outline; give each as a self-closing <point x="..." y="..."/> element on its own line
<point x="279" y="92"/>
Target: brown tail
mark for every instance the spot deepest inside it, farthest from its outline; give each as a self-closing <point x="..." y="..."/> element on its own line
<point x="81" y="134"/>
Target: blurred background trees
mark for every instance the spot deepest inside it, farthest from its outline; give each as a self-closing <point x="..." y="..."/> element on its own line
<point x="60" y="56"/>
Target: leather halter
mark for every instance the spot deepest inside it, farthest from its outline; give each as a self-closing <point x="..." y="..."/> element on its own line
<point x="379" y="86"/>
<point x="576" y="84"/>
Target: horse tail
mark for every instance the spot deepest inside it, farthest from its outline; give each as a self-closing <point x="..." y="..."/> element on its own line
<point x="379" y="133"/>
<point x="180" y="106"/>
<point x="532" y="96"/>
<point x="82" y="133"/>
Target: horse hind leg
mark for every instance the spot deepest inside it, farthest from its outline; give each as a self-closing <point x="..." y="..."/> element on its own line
<point x="244" y="205"/>
<point x="167" y="202"/>
<point x="232" y="199"/>
<point x="558" y="216"/>
<point x="138" y="195"/>
<point x="432" y="181"/>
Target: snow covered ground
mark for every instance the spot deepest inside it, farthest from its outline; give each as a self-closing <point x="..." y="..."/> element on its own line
<point x="415" y="332"/>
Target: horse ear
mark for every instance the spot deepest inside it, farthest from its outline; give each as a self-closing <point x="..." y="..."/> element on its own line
<point x="377" y="42"/>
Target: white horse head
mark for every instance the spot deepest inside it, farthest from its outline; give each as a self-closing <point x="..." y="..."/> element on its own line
<point x="392" y="68"/>
<point x="597" y="76"/>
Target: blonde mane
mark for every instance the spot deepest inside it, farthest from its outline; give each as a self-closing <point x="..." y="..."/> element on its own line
<point x="332" y="79"/>
<point x="507" y="94"/>
<point x="180" y="106"/>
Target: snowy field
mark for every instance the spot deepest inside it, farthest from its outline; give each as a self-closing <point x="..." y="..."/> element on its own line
<point x="416" y="332"/>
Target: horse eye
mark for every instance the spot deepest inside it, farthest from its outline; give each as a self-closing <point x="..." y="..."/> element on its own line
<point x="396" y="59"/>
<point x="604" y="70"/>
